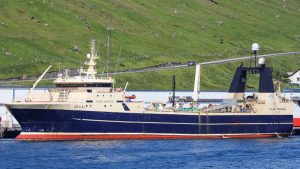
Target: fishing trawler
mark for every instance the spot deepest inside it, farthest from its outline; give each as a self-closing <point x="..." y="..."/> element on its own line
<point x="89" y="106"/>
<point x="293" y="95"/>
<point x="296" y="130"/>
<point x="7" y="131"/>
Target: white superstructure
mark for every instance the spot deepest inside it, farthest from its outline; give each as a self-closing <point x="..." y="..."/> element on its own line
<point x="87" y="91"/>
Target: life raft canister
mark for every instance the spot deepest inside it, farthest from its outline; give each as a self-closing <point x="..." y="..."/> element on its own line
<point x="130" y="97"/>
<point x="119" y="89"/>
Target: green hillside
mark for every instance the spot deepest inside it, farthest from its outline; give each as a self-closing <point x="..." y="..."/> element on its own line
<point x="37" y="33"/>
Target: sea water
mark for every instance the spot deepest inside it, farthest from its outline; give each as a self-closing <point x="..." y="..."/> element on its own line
<point x="222" y="153"/>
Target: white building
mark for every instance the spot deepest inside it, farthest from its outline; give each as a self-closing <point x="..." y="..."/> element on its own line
<point x="294" y="77"/>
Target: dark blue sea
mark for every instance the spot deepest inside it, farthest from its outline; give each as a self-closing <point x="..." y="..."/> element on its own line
<point x="224" y="153"/>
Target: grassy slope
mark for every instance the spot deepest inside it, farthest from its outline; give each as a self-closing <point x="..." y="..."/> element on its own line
<point x="34" y="34"/>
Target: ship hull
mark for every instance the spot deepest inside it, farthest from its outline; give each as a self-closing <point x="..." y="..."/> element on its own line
<point x="139" y="136"/>
<point x="296" y="114"/>
<point x="296" y="130"/>
<point x="9" y="134"/>
<point x="53" y="124"/>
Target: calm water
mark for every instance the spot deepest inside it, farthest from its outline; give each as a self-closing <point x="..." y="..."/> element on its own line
<point x="231" y="153"/>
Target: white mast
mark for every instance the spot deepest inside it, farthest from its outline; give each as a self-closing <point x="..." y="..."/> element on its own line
<point x="91" y="63"/>
<point x="197" y="83"/>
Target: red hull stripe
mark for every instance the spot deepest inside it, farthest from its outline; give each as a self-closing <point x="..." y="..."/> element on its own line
<point x="136" y="136"/>
<point x="296" y="122"/>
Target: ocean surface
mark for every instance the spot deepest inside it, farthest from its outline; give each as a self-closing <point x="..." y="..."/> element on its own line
<point x="223" y="153"/>
<point x="283" y="153"/>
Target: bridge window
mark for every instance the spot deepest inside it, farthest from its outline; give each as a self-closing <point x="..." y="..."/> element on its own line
<point x="70" y="85"/>
<point x="85" y="85"/>
<point x="99" y="85"/>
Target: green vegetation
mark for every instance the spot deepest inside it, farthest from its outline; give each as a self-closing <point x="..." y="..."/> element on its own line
<point x="37" y="33"/>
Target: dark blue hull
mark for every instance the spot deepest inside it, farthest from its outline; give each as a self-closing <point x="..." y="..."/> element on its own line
<point x="70" y="121"/>
<point x="9" y="133"/>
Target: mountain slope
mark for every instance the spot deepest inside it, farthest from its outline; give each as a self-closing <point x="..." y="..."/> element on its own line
<point x="34" y="34"/>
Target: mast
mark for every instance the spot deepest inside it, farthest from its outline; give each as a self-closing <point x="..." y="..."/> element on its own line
<point x="197" y="83"/>
<point x="174" y="88"/>
<point x="91" y="63"/>
<point x="109" y="29"/>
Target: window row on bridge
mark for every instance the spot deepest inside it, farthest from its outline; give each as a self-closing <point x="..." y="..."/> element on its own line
<point x="85" y="85"/>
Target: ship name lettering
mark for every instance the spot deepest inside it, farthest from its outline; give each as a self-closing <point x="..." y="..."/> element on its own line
<point x="273" y="109"/>
<point x="78" y="106"/>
